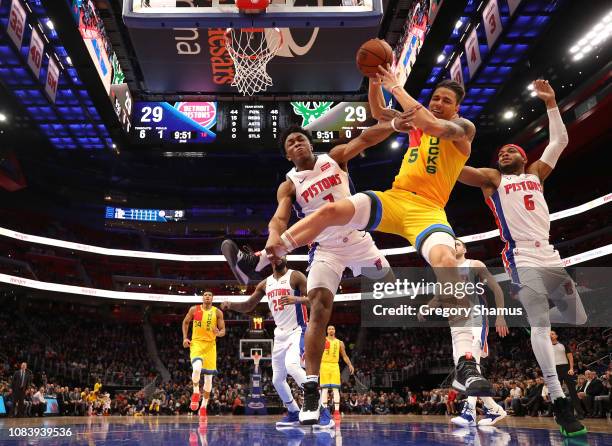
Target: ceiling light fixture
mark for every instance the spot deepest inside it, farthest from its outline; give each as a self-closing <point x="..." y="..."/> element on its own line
<point x="441" y="57"/>
<point x="595" y="36"/>
<point x="508" y="114"/>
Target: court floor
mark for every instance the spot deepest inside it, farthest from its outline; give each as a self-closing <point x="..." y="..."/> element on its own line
<point x="261" y="431"/>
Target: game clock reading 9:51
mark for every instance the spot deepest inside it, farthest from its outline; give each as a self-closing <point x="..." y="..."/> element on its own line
<point x="183" y="135"/>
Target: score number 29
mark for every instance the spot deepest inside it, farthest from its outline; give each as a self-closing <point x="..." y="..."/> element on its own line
<point x="358" y="113"/>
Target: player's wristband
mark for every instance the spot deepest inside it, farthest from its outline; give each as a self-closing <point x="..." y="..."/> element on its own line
<point x="393" y="125"/>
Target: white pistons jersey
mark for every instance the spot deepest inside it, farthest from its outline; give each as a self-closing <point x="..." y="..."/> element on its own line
<point x="325" y="183"/>
<point x="285" y="317"/>
<point x="520" y="210"/>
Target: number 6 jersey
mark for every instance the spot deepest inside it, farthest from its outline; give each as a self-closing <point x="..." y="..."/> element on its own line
<point x="520" y="210"/>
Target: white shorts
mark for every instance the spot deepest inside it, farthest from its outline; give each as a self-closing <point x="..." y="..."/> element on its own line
<point x="355" y="250"/>
<point x="538" y="266"/>
<point x="288" y="349"/>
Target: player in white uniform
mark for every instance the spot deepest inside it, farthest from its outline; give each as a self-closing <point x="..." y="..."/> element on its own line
<point x="475" y="271"/>
<point x="314" y="181"/>
<point x="515" y="195"/>
<point x="285" y="291"/>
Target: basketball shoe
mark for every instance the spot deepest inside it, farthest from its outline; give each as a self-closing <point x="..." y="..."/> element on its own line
<point x="565" y="418"/>
<point x="337" y="416"/>
<point x="242" y="262"/>
<point x="492" y="416"/>
<point x="203" y="413"/>
<point x="325" y="420"/>
<point x="467" y="417"/>
<point x="311" y="409"/>
<point x="289" y="420"/>
<point x="195" y="401"/>
<point x="468" y="379"/>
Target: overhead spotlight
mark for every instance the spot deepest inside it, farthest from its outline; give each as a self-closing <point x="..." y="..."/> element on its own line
<point x="114" y="146"/>
<point x="50" y="24"/>
<point x="459" y="24"/>
<point x="533" y="94"/>
<point x="68" y="60"/>
<point x="441" y="57"/>
<point x="395" y="145"/>
<point x="508" y="114"/>
<point x="574" y="49"/>
<point x="3" y="117"/>
<point x="530" y="86"/>
<point x="578" y="56"/>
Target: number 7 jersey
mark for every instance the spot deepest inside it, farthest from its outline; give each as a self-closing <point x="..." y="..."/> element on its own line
<point x="325" y="183"/>
<point x="520" y="210"/>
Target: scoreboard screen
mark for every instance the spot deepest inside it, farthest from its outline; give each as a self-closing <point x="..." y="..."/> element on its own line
<point x="154" y="215"/>
<point x="252" y="125"/>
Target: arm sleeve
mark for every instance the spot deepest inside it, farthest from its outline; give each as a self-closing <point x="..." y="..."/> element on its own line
<point x="558" y="138"/>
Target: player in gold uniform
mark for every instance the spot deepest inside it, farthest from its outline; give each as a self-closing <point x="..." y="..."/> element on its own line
<point x="207" y="326"/>
<point x="330" y="369"/>
<point x="414" y="206"/>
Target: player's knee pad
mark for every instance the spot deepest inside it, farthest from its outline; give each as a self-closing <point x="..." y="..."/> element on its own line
<point x="434" y="239"/>
<point x="336" y="393"/>
<point x="363" y="209"/>
<point x="197" y="370"/>
<point x="207" y="383"/>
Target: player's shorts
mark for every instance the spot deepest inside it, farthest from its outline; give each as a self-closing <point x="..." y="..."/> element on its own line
<point x="407" y="214"/>
<point x="207" y="353"/>
<point x="351" y="249"/>
<point x="329" y="375"/>
<point x="288" y="349"/>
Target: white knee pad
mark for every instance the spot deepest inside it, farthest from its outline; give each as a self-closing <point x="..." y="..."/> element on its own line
<point x="434" y="239"/>
<point x="336" y="395"/>
<point x="207" y="383"/>
<point x="197" y="370"/>
<point x="363" y="209"/>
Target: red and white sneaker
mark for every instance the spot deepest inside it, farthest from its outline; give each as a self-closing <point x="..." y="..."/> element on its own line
<point x="195" y="401"/>
<point x="337" y="416"/>
<point x="203" y="412"/>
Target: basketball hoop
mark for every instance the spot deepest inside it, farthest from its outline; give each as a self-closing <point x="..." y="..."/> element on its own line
<point x="251" y="49"/>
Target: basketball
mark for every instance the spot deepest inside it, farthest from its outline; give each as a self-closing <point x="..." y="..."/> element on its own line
<point x="373" y="53"/>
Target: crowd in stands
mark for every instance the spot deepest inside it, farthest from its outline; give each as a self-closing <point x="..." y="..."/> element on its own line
<point x="72" y="347"/>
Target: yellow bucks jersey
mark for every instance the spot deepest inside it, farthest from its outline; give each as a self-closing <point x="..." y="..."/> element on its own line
<point x="204" y="323"/>
<point x="430" y="167"/>
<point x="332" y="350"/>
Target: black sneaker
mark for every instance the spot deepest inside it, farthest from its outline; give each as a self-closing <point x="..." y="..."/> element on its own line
<point x="565" y="418"/>
<point x="242" y="262"/>
<point x="311" y="409"/>
<point x="468" y="379"/>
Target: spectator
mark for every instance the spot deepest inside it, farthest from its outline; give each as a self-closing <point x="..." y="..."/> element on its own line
<point x="39" y="403"/>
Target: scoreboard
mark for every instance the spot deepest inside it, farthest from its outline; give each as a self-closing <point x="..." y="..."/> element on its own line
<point x="250" y="124"/>
<point x="154" y="215"/>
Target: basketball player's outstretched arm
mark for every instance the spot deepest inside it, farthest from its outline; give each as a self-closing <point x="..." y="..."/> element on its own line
<point x="285" y="196"/>
<point x="220" y="328"/>
<point x="297" y="282"/>
<point x="248" y="305"/>
<point x="376" y="100"/>
<point x="558" y="133"/>
<point x="485" y="275"/>
<point x="487" y="179"/>
<point x="185" y="327"/>
<point x="346" y="359"/>
<point x="370" y="137"/>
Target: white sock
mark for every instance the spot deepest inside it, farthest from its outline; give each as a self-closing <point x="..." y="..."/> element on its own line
<point x="462" y="342"/>
<point x="312" y="378"/>
<point x="292" y="406"/>
<point x="263" y="261"/>
<point x="472" y="402"/>
<point x="545" y="355"/>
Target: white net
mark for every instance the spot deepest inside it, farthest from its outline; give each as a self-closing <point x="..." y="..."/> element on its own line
<point x="251" y="49"/>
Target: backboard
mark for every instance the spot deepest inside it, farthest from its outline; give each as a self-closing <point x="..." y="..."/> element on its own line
<point x="224" y="14"/>
<point x="184" y="53"/>
<point x="249" y="346"/>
